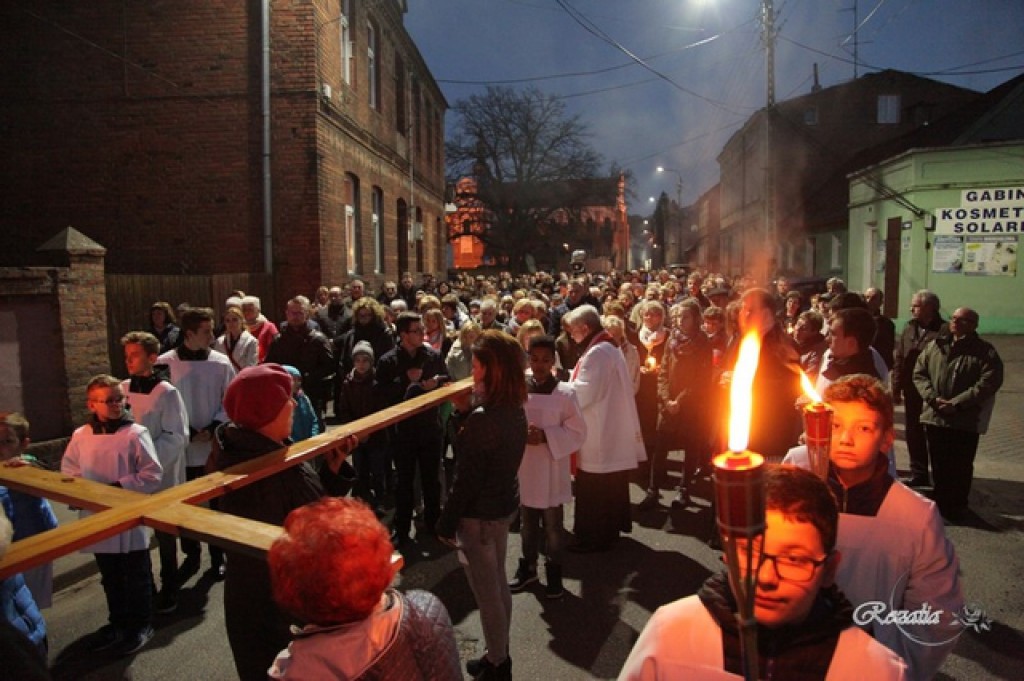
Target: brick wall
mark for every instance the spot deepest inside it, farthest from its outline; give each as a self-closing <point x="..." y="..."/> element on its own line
<point x="158" y="155"/>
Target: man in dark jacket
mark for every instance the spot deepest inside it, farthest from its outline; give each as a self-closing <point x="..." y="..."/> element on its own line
<point x="411" y="369"/>
<point x="957" y="376"/>
<point x="309" y="351"/>
<point x="334" y="317"/>
<point x="924" y="326"/>
<point x="885" y="330"/>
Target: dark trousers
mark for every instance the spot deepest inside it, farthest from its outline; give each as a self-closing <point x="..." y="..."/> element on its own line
<point x="371" y="463"/>
<point x="530" y="523"/>
<point x="917" y="444"/>
<point x="190" y="547"/>
<point x="421" y="453"/>
<point x="602" y="507"/>
<point x="167" y="547"/>
<point x="127" y="580"/>
<point x="257" y="630"/>
<point x="952" y="453"/>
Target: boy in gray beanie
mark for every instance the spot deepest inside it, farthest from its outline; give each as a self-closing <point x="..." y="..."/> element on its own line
<point x="357" y="399"/>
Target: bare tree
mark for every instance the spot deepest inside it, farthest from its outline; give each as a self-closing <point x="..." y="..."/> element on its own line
<point x="527" y="155"/>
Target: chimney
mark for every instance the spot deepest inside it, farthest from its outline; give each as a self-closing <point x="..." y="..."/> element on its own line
<point x="817" y="86"/>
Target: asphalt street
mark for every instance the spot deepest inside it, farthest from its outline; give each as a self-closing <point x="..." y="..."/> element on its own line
<point x="589" y="632"/>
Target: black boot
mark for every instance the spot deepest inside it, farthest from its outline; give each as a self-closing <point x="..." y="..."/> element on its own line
<point x="526" y="574"/>
<point x="491" y="672"/>
<point x="553" y="589"/>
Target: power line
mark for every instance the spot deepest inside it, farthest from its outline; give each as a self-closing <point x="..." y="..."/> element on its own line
<point x="574" y="74"/>
<point x="953" y="71"/>
<point x="591" y="28"/>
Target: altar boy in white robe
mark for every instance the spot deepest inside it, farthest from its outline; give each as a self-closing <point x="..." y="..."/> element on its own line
<point x="556" y="430"/>
<point x="114" y="450"/>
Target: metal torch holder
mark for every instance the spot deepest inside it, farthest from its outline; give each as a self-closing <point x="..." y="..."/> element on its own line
<point x="818" y="432"/>
<point x="739" y="506"/>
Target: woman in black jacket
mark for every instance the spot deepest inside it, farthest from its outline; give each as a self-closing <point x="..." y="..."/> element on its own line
<point x="489" y="443"/>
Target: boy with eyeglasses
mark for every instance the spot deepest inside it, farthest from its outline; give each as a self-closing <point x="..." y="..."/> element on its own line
<point x="114" y="450"/>
<point x="805" y="627"/>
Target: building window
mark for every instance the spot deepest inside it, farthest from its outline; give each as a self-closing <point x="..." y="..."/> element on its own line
<point x="811" y="116"/>
<point x="438" y="137"/>
<point x="417" y="132"/>
<point x="837" y="252"/>
<point x="418" y="232"/>
<point x="400" y="103"/>
<point x="810" y="256"/>
<point x="888" y="109"/>
<point x="378" y="230"/>
<point x="372" y="68"/>
<point x="346" y="41"/>
<point x="430" y="134"/>
<point x="351" y="223"/>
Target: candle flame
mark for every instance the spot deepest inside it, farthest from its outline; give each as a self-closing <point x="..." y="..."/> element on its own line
<point x="741" y="392"/>
<point x="808" y="388"/>
<point x="652" y="362"/>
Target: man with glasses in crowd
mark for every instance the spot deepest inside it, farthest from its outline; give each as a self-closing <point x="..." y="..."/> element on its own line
<point x="957" y="376"/>
<point x="409" y="370"/>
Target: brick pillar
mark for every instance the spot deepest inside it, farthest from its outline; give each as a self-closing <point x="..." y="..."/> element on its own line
<point x="82" y="299"/>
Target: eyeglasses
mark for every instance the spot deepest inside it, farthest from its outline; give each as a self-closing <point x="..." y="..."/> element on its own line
<point x="415" y="330"/>
<point x="787" y="566"/>
<point x="113" y="401"/>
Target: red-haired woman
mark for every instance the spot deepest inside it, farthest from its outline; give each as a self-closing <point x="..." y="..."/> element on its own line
<point x="331" y="570"/>
<point x="489" y="444"/>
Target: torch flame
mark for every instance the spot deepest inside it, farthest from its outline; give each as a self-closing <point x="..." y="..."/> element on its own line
<point x="809" y="390"/>
<point x="741" y="392"/>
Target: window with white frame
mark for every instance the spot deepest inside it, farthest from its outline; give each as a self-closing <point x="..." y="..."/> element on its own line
<point x="378" y="230"/>
<point x="836" y="262"/>
<point x="888" y="109"/>
<point x="372" y="67"/>
<point x="400" y="119"/>
<point x="351" y="223"/>
<point x="346" y="41"/>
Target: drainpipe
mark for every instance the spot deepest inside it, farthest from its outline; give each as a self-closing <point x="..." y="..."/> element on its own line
<point x="268" y="224"/>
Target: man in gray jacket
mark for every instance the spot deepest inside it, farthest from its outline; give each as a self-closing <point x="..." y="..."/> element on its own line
<point x="957" y="376"/>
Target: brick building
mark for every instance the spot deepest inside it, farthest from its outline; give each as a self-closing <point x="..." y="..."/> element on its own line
<point x="300" y="139"/>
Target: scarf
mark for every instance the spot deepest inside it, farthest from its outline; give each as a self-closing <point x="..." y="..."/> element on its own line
<point x="677" y="341"/>
<point x="255" y="326"/>
<point x="794" y="652"/>
<point x="650" y="339"/>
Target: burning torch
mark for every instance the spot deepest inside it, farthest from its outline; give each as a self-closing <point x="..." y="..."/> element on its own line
<point x="739" y="500"/>
<point x="818" y="429"/>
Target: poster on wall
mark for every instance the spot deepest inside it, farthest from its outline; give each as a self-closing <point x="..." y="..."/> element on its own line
<point x="993" y="256"/>
<point x="948" y="254"/>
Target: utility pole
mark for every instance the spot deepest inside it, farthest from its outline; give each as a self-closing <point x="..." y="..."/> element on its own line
<point x="768" y="35"/>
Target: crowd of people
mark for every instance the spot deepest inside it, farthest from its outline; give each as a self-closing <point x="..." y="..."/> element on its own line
<point x="584" y="384"/>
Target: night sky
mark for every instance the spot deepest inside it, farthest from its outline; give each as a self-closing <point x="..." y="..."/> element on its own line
<point x="705" y="69"/>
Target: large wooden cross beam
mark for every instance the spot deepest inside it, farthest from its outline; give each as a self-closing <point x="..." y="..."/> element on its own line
<point x="174" y="510"/>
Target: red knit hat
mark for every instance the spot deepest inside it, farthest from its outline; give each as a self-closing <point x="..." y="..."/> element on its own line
<point x="257" y="394"/>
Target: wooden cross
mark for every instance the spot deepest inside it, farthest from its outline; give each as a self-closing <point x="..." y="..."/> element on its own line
<point x="174" y="510"/>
